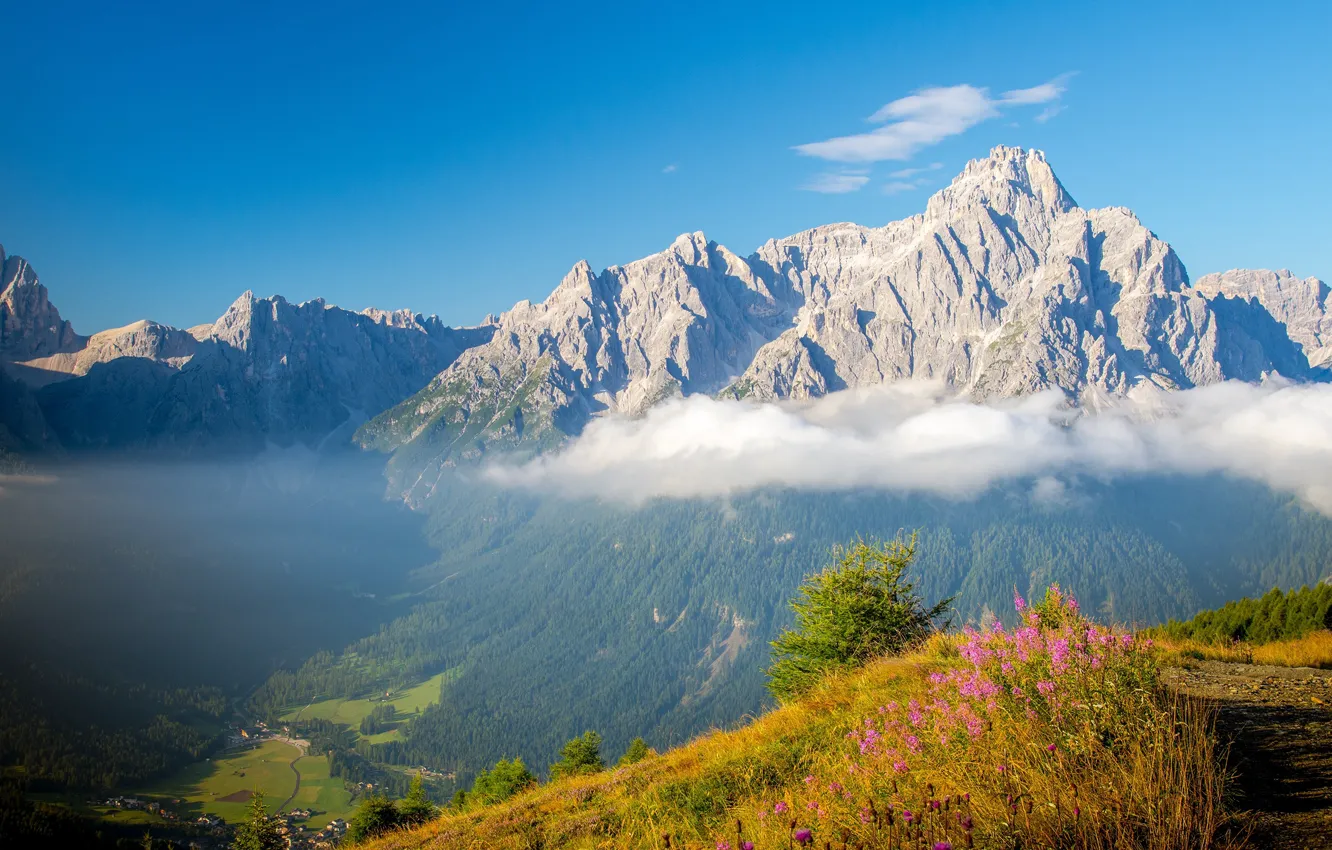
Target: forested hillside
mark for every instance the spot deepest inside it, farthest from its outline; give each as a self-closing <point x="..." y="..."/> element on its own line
<point x="1272" y="617"/>
<point x="559" y="617"/>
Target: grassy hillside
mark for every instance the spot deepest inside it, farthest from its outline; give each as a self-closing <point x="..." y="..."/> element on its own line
<point x="1292" y="629"/>
<point x="1054" y="733"/>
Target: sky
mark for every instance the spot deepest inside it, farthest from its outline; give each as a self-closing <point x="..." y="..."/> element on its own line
<point x="158" y="159"/>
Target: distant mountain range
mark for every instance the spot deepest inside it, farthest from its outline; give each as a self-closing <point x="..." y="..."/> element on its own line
<point x="1003" y="286"/>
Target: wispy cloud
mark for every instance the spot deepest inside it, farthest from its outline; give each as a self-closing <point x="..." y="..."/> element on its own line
<point x="918" y="437"/>
<point x="905" y="173"/>
<point x="670" y="169"/>
<point x="926" y="118"/>
<point x="837" y="182"/>
<point x="896" y="187"/>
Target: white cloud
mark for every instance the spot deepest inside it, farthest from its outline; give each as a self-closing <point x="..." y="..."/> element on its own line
<point x="1049" y="112"/>
<point x="670" y="169"/>
<point x="904" y="173"/>
<point x="837" y="183"/>
<point x="916" y="437"/>
<point x="925" y="118"/>
<point x="896" y="187"/>
<point x="1044" y="93"/>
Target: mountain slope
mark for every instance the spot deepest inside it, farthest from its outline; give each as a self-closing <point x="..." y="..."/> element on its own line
<point x="1002" y="287"/>
<point x="267" y="371"/>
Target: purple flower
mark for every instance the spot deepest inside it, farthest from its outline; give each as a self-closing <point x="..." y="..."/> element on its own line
<point x="803" y="836"/>
<point x="748" y="845"/>
<point x="907" y="817"/>
<point x="967" y="824"/>
<point x="780" y="807"/>
<point x="942" y="845"/>
<point x="1050" y="748"/>
<point x="723" y="845"/>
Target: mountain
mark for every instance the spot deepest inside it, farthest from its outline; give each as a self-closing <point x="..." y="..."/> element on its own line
<point x="267" y="371"/>
<point x="1003" y="286"/>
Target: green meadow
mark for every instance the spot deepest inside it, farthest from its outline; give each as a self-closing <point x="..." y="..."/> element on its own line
<point x="350" y="712"/>
<point x="218" y="786"/>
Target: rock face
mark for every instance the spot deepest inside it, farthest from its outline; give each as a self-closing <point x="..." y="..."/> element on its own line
<point x="267" y="371"/>
<point x="272" y="371"/>
<point x="1300" y="307"/>
<point x="1003" y="286"/>
<point x="30" y="326"/>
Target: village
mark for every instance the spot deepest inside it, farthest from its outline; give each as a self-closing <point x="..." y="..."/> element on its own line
<point x="211" y="831"/>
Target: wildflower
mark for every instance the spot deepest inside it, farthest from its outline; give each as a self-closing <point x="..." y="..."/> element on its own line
<point x="865" y="816"/>
<point x="809" y="779"/>
<point x="780" y="807"/>
<point x="942" y="845"/>
<point x="803" y="836"/>
<point x="748" y="845"/>
<point x="1002" y="768"/>
<point x="835" y="787"/>
<point x="907" y="817"/>
<point x="723" y="845"/>
<point x="811" y="806"/>
<point x="967" y="823"/>
<point x="1045" y="687"/>
<point x="1018" y="602"/>
<point x="1050" y="748"/>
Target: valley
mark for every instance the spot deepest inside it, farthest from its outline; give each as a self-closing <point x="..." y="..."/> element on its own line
<point x="390" y="548"/>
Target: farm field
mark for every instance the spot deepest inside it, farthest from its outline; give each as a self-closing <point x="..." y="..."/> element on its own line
<point x="220" y="786"/>
<point x="325" y="795"/>
<point x="350" y="712"/>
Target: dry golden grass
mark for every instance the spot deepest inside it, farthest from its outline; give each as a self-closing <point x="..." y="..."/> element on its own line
<point x="1312" y="650"/>
<point x="1155" y="783"/>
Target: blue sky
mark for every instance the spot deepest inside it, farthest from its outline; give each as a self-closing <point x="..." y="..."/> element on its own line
<point x="157" y="159"/>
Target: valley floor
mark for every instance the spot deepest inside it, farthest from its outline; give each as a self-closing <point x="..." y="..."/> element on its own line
<point x="1278" y="721"/>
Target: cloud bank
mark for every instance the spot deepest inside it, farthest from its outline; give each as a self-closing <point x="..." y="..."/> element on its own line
<point x="928" y="117"/>
<point x="914" y="437"/>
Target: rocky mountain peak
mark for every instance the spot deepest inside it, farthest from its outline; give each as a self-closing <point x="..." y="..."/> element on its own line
<point x="30" y="325"/>
<point x="1010" y="181"/>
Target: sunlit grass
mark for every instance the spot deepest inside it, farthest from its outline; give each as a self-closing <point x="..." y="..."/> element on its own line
<point x="1091" y="752"/>
<point x="1312" y="650"/>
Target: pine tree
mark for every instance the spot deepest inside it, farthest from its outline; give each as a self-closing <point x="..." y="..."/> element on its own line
<point x="416" y="808"/>
<point x="375" y="816"/>
<point x="259" y="831"/>
<point x="859" y="607"/>
<point x="638" y="750"/>
<point x="580" y="755"/>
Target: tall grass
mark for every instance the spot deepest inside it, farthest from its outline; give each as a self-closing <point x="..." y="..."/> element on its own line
<point x="1055" y="734"/>
<point x="1312" y="650"/>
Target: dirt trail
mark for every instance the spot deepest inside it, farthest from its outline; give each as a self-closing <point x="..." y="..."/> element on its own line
<point x="1279" y="723"/>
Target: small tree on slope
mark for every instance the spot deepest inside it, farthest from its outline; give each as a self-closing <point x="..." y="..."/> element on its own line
<point x="859" y="607"/>
<point x="259" y="831"/>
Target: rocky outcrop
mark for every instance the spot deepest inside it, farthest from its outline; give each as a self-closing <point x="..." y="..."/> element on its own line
<point x="267" y="371"/>
<point x="1297" y="309"/>
<point x="30" y="326"/>
<point x="1002" y="286"/>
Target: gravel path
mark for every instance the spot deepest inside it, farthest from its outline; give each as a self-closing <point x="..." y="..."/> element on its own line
<point x="1279" y="723"/>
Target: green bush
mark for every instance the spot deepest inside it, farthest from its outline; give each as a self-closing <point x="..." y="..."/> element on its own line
<point x="859" y="607"/>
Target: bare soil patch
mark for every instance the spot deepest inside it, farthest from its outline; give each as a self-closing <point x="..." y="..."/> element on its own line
<point x="1278" y="722"/>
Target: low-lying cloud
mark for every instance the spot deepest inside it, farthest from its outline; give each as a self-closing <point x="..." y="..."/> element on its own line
<point x="917" y="437"/>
